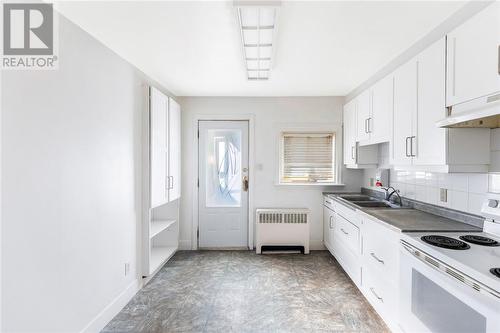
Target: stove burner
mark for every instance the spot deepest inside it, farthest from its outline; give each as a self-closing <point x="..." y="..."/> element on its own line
<point x="495" y="271"/>
<point x="480" y="240"/>
<point x="445" y="242"/>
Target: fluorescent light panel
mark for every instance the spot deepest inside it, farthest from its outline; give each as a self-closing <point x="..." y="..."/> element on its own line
<point x="257" y="25"/>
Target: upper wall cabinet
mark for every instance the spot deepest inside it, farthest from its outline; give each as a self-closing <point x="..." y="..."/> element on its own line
<point x="419" y="101"/>
<point x="356" y="157"/>
<point x="473" y="59"/>
<point x="374" y="113"/>
<point x="164" y="142"/>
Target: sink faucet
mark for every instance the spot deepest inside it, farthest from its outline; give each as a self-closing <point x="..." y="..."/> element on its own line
<point x="389" y="195"/>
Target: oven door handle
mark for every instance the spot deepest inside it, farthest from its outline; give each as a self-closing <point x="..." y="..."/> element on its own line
<point x="449" y="271"/>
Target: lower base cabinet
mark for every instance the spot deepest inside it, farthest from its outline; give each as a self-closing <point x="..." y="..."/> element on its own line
<point x="368" y="251"/>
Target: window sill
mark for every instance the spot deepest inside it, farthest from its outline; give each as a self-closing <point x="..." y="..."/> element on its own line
<point x="309" y="184"/>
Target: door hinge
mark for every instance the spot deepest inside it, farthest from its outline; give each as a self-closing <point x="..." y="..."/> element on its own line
<point x="198" y="134"/>
<point x="198" y="233"/>
<point x="198" y="182"/>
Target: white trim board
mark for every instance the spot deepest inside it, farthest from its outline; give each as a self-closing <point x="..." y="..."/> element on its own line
<point x="112" y="309"/>
<point x="251" y="172"/>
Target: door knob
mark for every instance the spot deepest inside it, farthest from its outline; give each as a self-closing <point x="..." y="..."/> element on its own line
<point x="245" y="183"/>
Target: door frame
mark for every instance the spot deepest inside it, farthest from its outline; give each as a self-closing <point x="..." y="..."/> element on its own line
<point x="251" y="173"/>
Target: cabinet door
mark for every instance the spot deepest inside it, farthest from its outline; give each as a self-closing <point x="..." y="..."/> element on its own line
<point x="429" y="142"/>
<point x="473" y="57"/>
<point x="326" y="227"/>
<point x="363" y="115"/>
<point x="379" y="124"/>
<point x="350" y="133"/>
<point x="405" y="107"/>
<point x="331" y="227"/>
<point x="174" y="154"/>
<point x="158" y="124"/>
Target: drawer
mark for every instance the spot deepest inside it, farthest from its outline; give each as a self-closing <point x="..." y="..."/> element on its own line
<point x="381" y="293"/>
<point x="384" y="255"/>
<point x="328" y="202"/>
<point x="347" y="232"/>
<point x="348" y="260"/>
<point x="347" y="213"/>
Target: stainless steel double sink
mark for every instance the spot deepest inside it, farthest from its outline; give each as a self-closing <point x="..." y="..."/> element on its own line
<point x="366" y="201"/>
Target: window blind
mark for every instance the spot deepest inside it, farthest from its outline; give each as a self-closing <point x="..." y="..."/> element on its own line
<point x="307" y="157"/>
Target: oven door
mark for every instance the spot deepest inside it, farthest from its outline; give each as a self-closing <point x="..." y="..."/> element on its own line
<point x="432" y="300"/>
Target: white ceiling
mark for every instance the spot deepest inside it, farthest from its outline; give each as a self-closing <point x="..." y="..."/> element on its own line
<point x="322" y="48"/>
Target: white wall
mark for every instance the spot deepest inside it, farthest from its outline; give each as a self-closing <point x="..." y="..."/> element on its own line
<point x="465" y="191"/>
<point x="270" y="114"/>
<point x="71" y="190"/>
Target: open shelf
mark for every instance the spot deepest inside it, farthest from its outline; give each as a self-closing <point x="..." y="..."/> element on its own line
<point x="159" y="255"/>
<point x="158" y="226"/>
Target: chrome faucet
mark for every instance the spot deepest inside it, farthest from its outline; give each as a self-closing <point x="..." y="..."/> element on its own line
<point x="389" y="195"/>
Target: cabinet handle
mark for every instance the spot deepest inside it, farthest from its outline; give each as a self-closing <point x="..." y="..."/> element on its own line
<point x="328" y="202"/>
<point x="172" y="183"/>
<point x="366" y="125"/>
<point x="377" y="258"/>
<point x="370" y="125"/>
<point x="345" y="232"/>
<point x="377" y="296"/>
<point x="454" y="65"/>
<point x="411" y="146"/>
<point x="498" y="56"/>
<point x="406" y="146"/>
<point x="352" y="153"/>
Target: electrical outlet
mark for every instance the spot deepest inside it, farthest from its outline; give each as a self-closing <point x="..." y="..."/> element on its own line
<point x="127" y="268"/>
<point x="443" y="195"/>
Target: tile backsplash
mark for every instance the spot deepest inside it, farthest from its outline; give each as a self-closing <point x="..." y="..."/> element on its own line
<point x="461" y="191"/>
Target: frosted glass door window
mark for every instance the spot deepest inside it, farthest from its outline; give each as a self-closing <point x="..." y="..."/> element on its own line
<point x="223" y="168"/>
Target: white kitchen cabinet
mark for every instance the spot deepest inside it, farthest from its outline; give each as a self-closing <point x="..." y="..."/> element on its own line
<point x="374" y="113"/>
<point x="165" y="148"/>
<point x="380" y="123"/>
<point x="328" y="227"/>
<point x="363" y="116"/>
<point x="174" y="152"/>
<point x="158" y="119"/>
<point x="473" y="57"/>
<point x="355" y="156"/>
<point x="380" y="268"/>
<point x="405" y="110"/>
<point x="162" y="171"/>
<point x="419" y="102"/>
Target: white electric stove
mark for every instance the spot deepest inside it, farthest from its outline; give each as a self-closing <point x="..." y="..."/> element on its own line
<point x="450" y="281"/>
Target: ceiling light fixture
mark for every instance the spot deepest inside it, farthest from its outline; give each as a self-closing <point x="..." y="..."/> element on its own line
<point x="258" y="22"/>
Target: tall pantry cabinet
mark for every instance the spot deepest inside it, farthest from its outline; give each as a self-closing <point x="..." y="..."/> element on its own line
<point x="162" y="183"/>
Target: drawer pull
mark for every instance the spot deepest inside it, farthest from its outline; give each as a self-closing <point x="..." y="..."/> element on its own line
<point x="377" y="296"/>
<point x="345" y="232"/>
<point x="377" y="258"/>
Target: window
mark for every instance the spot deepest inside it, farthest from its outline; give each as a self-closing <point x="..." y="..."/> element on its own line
<point x="307" y="158"/>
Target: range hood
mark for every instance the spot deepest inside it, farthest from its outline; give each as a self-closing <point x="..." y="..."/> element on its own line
<point x="483" y="112"/>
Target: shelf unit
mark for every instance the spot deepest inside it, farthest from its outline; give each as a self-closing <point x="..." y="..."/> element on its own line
<point x="158" y="226"/>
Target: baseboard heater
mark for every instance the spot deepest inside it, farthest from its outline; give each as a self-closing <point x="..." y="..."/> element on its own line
<point x="282" y="229"/>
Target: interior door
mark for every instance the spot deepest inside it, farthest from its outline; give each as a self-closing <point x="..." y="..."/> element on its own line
<point x="158" y="123"/>
<point x="174" y="155"/>
<point x="405" y="108"/>
<point x="223" y="184"/>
